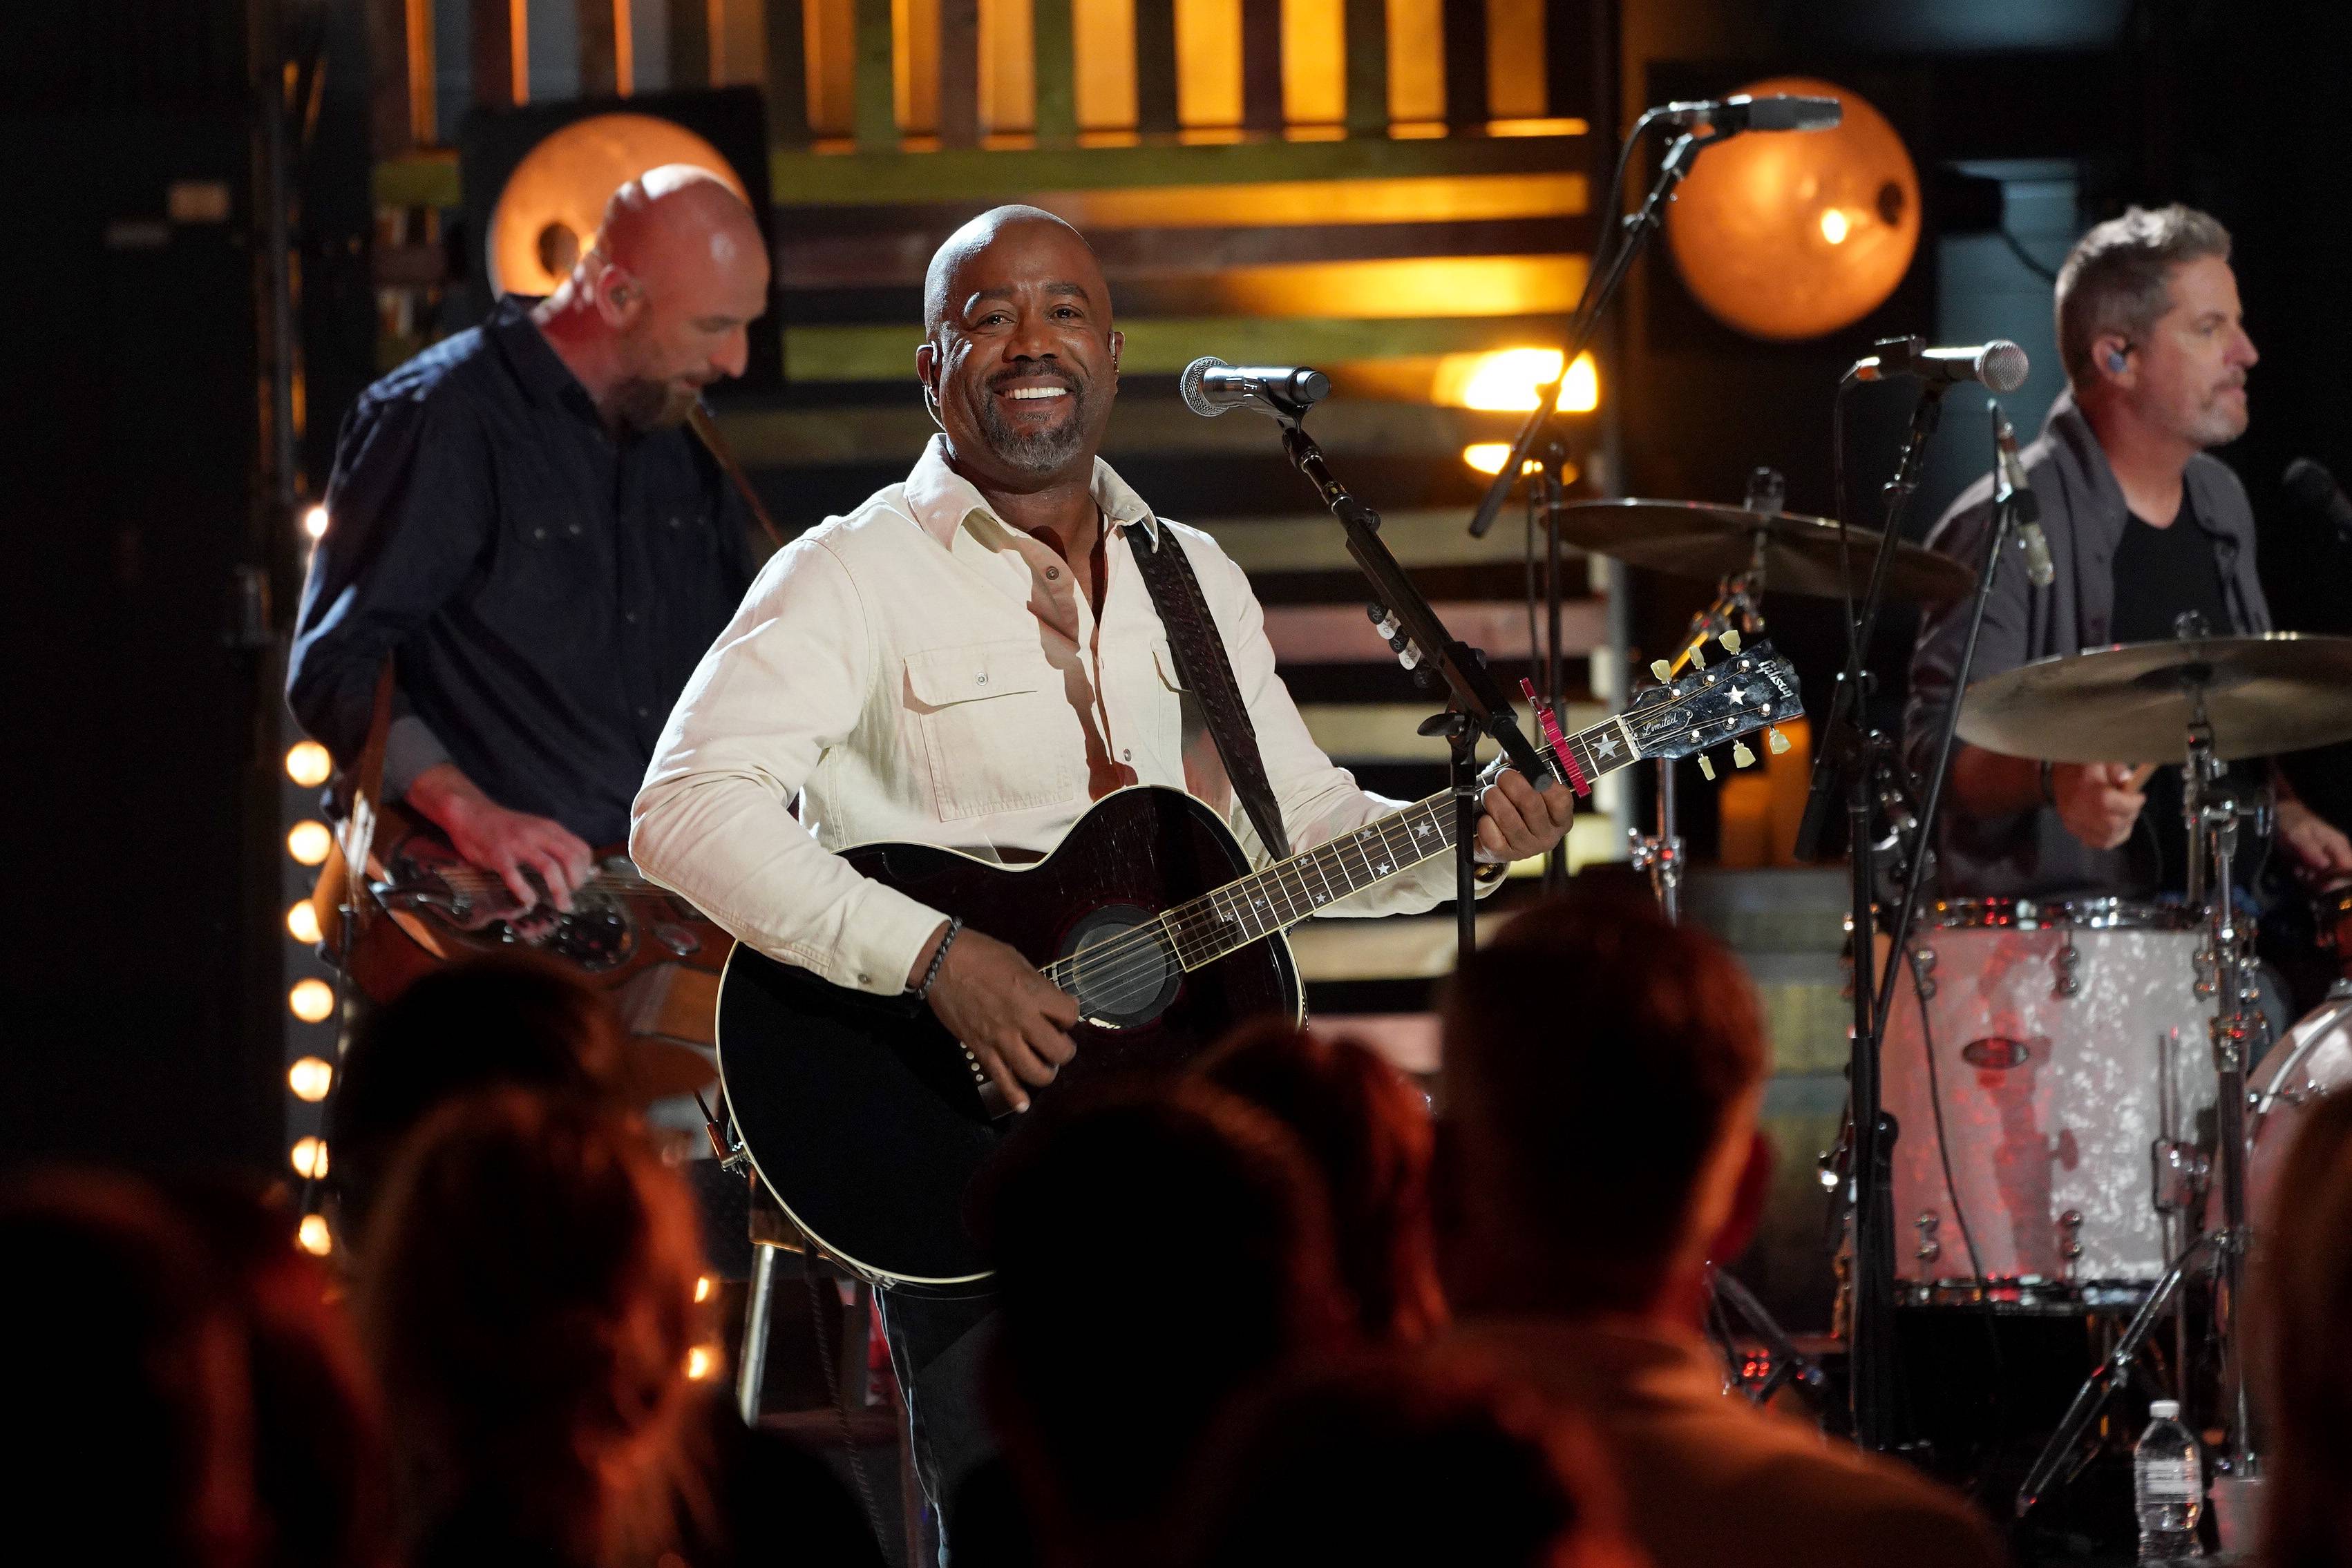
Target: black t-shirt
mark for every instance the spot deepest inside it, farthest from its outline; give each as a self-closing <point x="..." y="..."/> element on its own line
<point x="2162" y="574"/>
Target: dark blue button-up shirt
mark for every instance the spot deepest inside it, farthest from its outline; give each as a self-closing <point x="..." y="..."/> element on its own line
<point x="546" y="587"/>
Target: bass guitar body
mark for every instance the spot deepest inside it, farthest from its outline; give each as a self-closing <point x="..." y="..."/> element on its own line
<point x="867" y="1119"/>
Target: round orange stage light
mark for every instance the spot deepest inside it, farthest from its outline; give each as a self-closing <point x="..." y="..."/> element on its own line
<point x="1797" y="234"/>
<point x="554" y="201"/>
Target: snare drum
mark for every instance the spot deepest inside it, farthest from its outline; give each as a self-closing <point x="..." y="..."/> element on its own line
<point x="2062" y="1034"/>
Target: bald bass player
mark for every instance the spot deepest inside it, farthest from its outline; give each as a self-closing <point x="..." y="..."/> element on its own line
<point x="1006" y="566"/>
<point x="517" y="517"/>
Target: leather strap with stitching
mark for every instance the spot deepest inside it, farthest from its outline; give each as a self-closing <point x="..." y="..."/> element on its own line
<point x="1208" y="673"/>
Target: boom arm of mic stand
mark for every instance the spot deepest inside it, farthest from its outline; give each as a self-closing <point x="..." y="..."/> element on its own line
<point x="1474" y="690"/>
<point x="1599" y="290"/>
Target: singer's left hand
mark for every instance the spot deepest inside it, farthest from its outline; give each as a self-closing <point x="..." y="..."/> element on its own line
<point x="1518" y="823"/>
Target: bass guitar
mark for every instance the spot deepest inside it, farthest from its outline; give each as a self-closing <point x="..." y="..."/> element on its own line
<point x="867" y="1121"/>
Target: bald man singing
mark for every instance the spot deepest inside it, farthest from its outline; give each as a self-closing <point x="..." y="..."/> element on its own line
<point x="971" y="658"/>
<point x="515" y="515"/>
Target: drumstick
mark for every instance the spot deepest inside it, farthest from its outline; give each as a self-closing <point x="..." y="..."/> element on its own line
<point x="2140" y="773"/>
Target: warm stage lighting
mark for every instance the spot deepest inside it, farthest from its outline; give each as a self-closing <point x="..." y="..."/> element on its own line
<point x="313" y="1237"/>
<point x="309" y="1078"/>
<point x="1510" y="381"/>
<point x="1486" y="457"/>
<point x="702" y="1287"/>
<point x="309" y="1157"/>
<point x="308" y="842"/>
<point x="1834" y="225"/>
<point x="314" y="522"/>
<point x="308" y="764"/>
<point x="700" y="1362"/>
<point x="302" y="924"/>
<point x="312" y="1001"/>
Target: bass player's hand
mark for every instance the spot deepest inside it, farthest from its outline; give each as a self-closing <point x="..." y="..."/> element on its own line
<point x="515" y="845"/>
<point x="1013" y="1019"/>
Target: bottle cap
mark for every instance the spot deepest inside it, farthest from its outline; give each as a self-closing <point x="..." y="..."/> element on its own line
<point x="2163" y="1409"/>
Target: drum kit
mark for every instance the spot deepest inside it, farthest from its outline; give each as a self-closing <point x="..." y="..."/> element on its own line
<point x="2082" y="1126"/>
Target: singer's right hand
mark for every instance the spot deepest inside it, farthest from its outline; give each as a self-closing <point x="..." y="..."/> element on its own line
<point x="2098" y="802"/>
<point x="1013" y="1019"/>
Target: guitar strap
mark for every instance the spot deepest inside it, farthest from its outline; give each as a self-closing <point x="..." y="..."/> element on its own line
<point x="1203" y="665"/>
<point x="708" y="429"/>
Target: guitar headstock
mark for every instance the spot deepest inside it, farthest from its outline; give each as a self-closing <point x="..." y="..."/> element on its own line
<point x="1747" y="688"/>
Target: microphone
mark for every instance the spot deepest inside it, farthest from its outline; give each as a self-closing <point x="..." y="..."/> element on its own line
<point x="1773" y="111"/>
<point x="2000" y="364"/>
<point x="1211" y="386"/>
<point x="2314" y="489"/>
<point x="2026" y="507"/>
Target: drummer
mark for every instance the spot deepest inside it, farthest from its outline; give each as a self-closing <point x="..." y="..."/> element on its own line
<point x="2151" y="536"/>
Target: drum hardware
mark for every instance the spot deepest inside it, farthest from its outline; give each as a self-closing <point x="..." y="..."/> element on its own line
<point x="1927" y="1224"/>
<point x="2067" y="965"/>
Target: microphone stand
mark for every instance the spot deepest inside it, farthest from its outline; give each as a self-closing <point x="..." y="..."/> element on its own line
<point x="1599" y="291"/>
<point x="1847" y="755"/>
<point x="1477" y="705"/>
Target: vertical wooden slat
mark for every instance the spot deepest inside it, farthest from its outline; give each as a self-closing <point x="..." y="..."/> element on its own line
<point x="494" y="51"/>
<point x="392" y="87"/>
<point x="1008" y="67"/>
<point x="1261" y="64"/>
<point x="1368" y="68"/>
<point x="960" y="73"/>
<point x="1053" y="37"/>
<point x="1155" y="67"/>
<point x="1515" y="30"/>
<point x="599" y="48"/>
<point x="788" y="102"/>
<point x="875" y="85"/>
<point x="1579" y="55"/>
<point x="625" y="47"/>
<point x="1465" y="62"/>
<point x="689" y="44"/>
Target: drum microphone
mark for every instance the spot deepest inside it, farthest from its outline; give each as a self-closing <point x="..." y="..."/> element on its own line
<point x="2000" y="364"/>
<point x="1740" y="112"/>
<point x="1211" y="386"/>
<point x="2025" y="506"/>
<point x="2314" y="489"/>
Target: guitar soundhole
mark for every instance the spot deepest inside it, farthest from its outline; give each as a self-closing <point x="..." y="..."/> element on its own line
<point x="1120" y="968"/>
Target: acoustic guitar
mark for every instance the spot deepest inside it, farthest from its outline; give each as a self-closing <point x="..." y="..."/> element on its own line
<point x="867" y="1119"/>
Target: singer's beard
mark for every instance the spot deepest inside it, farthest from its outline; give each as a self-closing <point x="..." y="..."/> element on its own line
<point x="646" y="406"/>
<point x="1038" y="451"/>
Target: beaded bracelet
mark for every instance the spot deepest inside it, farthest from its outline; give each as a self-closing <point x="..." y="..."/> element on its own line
<point x="931" y="975"/>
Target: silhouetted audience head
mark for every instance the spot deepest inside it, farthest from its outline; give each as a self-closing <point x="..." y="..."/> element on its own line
<point x="125" y="1382"/>
<point x="2303" y="1297"/>
<point x="528" y="1299"/>
<point x="1390" y="1460"/>
<point x="1157" y="1249"/>
<point x="1368" y="1131"/>
<point x="319" y="1457"/>
<point x="510" y="1021"/>
<point x="1604" y="1066"/>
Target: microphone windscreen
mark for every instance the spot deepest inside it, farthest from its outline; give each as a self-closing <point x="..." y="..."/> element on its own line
<point x="1189" y="384"/>
<point x="2308" y="485"/>
<point x="2003" y="366"/>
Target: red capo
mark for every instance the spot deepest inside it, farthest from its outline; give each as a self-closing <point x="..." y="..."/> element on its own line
<point x="1563" y="755"/>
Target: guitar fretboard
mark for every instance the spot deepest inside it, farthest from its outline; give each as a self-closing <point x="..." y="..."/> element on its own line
<point x="1207" y="928"/>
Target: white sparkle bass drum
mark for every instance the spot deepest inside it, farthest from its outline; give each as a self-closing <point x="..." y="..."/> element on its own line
<point x="2067" y="1044"/>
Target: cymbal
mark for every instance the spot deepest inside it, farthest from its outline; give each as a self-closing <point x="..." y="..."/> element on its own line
<point x="1692" y="539"/>
<point x="2284" y="691"/>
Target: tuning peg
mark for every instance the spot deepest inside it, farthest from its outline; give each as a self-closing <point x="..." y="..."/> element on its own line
<point x="1775" y="742"/>
<point x="1706" y="766"/>
<point x="1697" y="656"/>
<point x="1730" y="641"/>
<point x="1740" y="755"/>
<point x="1660" y="668"/>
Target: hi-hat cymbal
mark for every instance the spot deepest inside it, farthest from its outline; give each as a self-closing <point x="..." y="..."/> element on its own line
<point x="2280" y="692"/>
<point x="1691" y="538"/>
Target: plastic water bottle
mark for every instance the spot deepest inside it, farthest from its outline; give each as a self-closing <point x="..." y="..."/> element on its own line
<point x="2167" y="1485"/>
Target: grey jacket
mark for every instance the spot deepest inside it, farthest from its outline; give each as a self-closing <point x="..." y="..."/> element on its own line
<point x="2027" y="853"/>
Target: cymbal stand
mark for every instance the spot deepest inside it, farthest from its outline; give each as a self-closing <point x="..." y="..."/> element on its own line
<point x="1737" y="607"/>
<point x="2211" y="812"/>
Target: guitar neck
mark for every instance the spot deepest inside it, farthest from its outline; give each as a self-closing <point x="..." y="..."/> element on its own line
<point x="1240" y="912"/>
